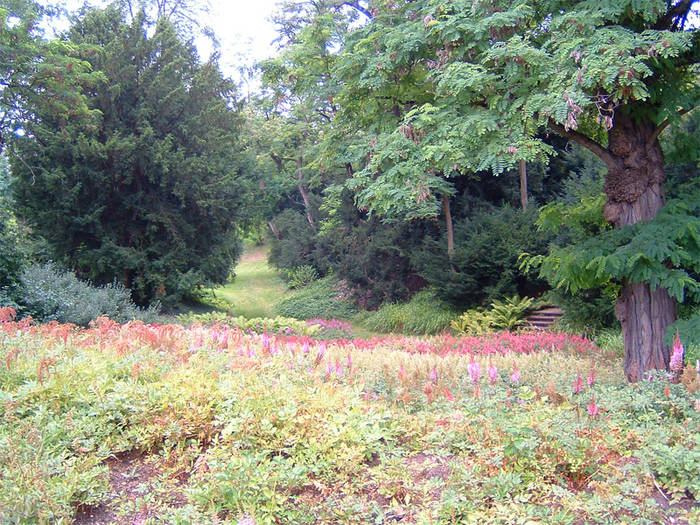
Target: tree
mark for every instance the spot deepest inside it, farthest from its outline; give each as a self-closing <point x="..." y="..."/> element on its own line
<point x="608" y="75"/>
<point x="33" y="69"/>
<point x="154" y="194"/>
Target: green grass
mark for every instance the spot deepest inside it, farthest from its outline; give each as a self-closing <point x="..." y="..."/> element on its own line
<point x="256" y="286"/>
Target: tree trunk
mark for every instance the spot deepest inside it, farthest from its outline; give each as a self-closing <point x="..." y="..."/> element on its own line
<point x="634" y="189"/>
<point x="448" y="226"/>
<point x="304" y="193"/>
<point x="523" y="185"/>
<point x="274" y="229"/>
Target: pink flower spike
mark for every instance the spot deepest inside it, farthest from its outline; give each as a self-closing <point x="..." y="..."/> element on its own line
<point x="676" y="363"/>
<point x="474" y="371"/>
<point x="493" y="374"/>
<point x="515" y="376"/>
<point x="348" y="363"/>
<point x="592" y="408"/>
<point x="591" y="377"/>
<point x="578" y="384"/>
<point x="434" y="375"/>
<point x="401" y="374"/>
<point x="306" y="347"/>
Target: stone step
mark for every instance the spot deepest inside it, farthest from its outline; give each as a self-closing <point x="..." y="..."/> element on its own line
<point x="544" y="318"/>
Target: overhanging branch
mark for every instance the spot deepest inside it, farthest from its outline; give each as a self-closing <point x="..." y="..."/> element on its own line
<point x="659" y="129"/>
<point x="584" y="141"/>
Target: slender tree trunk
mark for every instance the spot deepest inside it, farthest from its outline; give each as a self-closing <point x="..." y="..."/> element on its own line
<point x="634" y="189"/>
<point x="523" y="184"/>
<point x="273" y="228"/>
<point x="304" y="192"/>
<point x="448" y="225"/>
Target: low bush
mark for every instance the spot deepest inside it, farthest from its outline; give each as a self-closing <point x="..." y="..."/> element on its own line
<point x="300" y="276"/>
<point x="257" y="325"/>
<point x="476" y="321"/>
<point x="320" y="299"/>
<point x="504" y="314"/>
<point x="51" y="294"/>
<point x="423" y="314"/>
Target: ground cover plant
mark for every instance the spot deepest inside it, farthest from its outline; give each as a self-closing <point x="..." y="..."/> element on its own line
<point x="139" y="423"/>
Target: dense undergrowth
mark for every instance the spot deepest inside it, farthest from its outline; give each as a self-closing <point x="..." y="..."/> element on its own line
<point x="286" y="429"/>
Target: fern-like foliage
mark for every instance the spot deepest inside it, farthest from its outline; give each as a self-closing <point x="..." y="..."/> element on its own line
<point x="663" y="252"/>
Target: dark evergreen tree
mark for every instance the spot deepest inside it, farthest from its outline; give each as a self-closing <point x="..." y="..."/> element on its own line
<point x="153" y="193"/>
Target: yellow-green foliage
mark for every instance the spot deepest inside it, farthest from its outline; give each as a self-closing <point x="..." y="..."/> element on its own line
<point x="423" y="314"/>
<point x="473" y="322"/>
<point x="286" y="325"/>
<point x="505" y="314"/>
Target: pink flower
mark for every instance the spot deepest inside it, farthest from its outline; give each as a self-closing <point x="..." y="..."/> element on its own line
<point x="401" y="374"/>
<point x="493" y="373"/>
<point x="338" y="369"/>
<point x="593" y="408"/>
<point x="305" y="348"/>
<point x="676" y="364"/>
<point x="434" y="375"/>
<point x="348" y="364"/>
<point x="474" y="371"/>
<point x="515" y="376"/>
<point x="591" y="377"/>
<point x="578" y="384"/>
<point x="448" y="394"/>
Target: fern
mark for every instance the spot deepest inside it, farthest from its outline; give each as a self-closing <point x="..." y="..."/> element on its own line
<point x="664" y="252"/>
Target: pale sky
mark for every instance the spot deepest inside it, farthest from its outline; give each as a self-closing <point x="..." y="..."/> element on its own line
<point x="242" y="27"/>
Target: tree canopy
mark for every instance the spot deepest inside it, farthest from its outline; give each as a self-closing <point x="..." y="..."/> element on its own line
<point x="152" y="191"/>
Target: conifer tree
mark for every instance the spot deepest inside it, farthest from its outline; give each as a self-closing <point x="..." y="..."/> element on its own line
<point x="152" y="193"/>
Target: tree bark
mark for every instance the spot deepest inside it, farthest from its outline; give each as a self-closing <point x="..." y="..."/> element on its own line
<point x="304" y="192"/>
<point x="633" y="186"/>
<point x="448" y="226"/>
<point x="274" y="229"/>
<point x="523" y="185"/>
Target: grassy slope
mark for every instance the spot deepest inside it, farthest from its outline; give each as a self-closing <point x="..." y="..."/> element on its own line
<point x="255" y="287"/>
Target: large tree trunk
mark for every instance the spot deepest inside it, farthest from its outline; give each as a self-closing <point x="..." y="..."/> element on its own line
<point x="634" y="189"/>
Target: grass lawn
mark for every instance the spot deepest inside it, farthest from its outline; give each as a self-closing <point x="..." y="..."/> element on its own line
<point x="256" y="286"/>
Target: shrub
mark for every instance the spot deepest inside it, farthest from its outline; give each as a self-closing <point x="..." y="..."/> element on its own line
<point x="510" y="313"/>
<point x="301" y="276"/>
<point x="51" y="294"/>
<point x="476" y="321"/>
<point x="485" y="262"/>
<point x="423" y="314"/>
<point x="320" y="299"/>
<point x="372" y="257"/>
<point x="296" y="241"/>
<point x="257" y="325"/>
